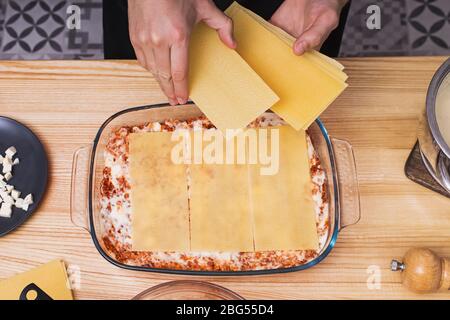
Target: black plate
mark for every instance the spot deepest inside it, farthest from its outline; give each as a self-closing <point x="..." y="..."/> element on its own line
<point x="30" y="175"/>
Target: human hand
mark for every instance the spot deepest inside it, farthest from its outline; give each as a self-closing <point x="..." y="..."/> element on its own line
<point x="160" y="31"/>
<point x="309" y="21"/>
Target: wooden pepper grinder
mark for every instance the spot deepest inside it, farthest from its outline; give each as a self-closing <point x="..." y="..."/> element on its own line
<point x="423" y="271"/>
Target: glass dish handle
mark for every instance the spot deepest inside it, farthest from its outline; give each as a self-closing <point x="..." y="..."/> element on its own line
<point x="79" y="187"/>
<point x="350" y="211"/>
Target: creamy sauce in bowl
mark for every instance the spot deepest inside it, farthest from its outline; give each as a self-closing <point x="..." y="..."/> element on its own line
<point x="443" y="109"/>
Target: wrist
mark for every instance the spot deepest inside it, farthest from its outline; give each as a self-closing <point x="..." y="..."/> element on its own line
<point x="342" y="3"/>
<point x="338" y="5"/>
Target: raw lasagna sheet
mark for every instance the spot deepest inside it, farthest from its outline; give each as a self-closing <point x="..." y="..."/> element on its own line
<point x="329" y="65"/>
<point x="223" y="85"/>
<point x="220" y="206"/>
<point x="305" y="88"/>
<point x="160" y="220"/>
<point x="282" y="204"/>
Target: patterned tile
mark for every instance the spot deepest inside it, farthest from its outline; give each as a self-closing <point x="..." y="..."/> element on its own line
<point x="408" y="27"/>
<point x="429" y="22"/>
<point x="2" y="18"/>
<point x="88" y="41"/>
<point x="391" y="39"/>
<point x="36" y="29"/>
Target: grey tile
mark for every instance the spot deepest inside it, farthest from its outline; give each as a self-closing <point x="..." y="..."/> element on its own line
<point x="2" y="18"/>
<point x="408" y="27"/>
<point x="391" y="39"/>
<point x="36" y="29"/>
<point x="89" y="39"/>
<point x="429" y="27"/>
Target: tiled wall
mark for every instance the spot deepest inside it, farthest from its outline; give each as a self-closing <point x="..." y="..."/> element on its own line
<point x="408" y="27"/>
<point x="35" y="29"/>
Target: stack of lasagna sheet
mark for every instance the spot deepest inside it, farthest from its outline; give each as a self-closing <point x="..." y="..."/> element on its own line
<point x="234" y="87"/>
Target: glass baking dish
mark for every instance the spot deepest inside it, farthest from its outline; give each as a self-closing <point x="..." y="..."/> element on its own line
<point x="188" y="290"/>
<point x="336" y="157"/>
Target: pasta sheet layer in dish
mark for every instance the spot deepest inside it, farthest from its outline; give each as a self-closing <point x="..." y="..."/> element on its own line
<point x="116" y="211"/>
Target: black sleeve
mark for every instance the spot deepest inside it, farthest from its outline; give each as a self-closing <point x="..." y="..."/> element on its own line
<point x="116" y="39"/>
<point x="117" y="43"/>
<point x="332" y="45"/>
<point x="264" y="8"/>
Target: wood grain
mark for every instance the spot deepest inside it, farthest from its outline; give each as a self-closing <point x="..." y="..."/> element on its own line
<point x="66" y="102"/>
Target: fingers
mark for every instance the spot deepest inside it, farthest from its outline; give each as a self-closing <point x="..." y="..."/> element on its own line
<point x="150" y="61"/>
<point x="143" y="51"/>
<point x="161" y="42"/>
<point x="163" y="72"/>
<point x="140" y="57"/>
<point x="315" y="36"/>
<point x="311" y="39"/>
<point x="169" y="66"/>
<point x="219" y="21"/>
<point x="179" y="54"/>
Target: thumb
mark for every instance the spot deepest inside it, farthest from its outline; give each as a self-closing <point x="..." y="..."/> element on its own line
<point x="219" y="21"/>
<point x="314" y="37"/>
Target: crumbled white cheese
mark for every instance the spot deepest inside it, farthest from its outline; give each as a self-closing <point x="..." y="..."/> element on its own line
<point x="19" y="203"/>
<point x="8" y="176"/>
<point x="10" y="152"/>
<point x="10" y="197"/>
<point x="116" y="169"/>
<point x="15" y="194"/>
<point x="28" y="199"/>
<point x="156" y="126"/>
<point x="6" y="210"/>
<point x="7" y="165"/>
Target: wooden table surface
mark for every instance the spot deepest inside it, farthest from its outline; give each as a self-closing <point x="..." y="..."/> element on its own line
<point x="66" y="102"/>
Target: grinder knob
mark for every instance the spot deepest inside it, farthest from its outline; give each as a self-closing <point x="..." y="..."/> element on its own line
<point x="423" y="271"/>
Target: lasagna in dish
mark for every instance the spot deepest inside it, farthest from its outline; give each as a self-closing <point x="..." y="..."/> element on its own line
<point x="116" y="211"/>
